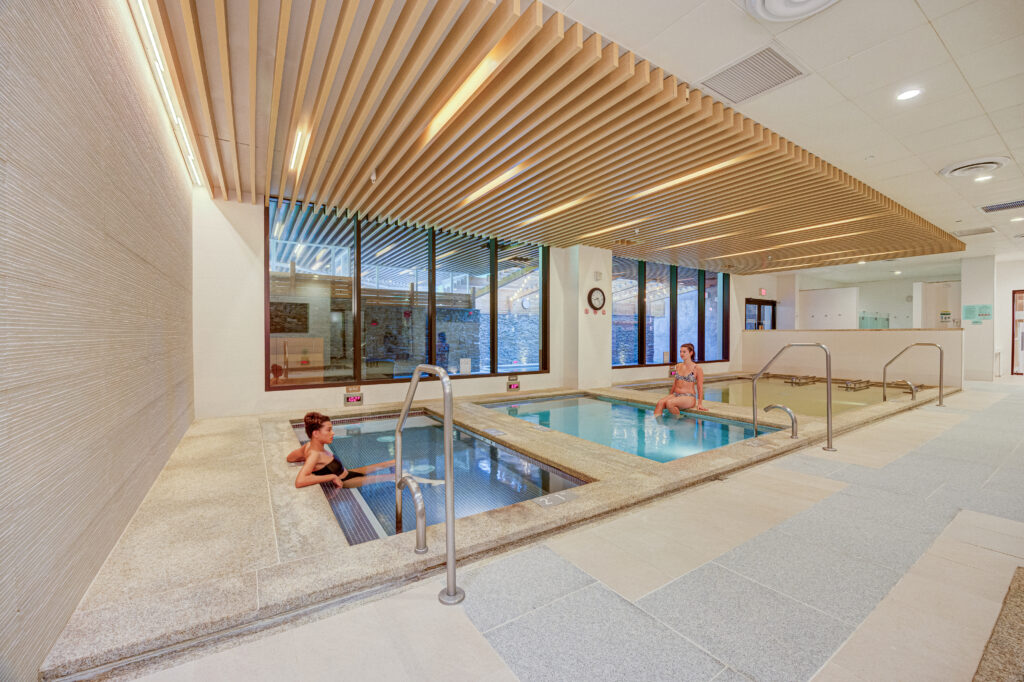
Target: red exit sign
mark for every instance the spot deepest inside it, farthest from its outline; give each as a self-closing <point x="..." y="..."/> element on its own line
<point x="353" y="398"/>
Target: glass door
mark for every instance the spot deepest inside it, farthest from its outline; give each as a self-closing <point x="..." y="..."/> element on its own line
<point x="1018" y="332"/>
<point x="759" y="314"/>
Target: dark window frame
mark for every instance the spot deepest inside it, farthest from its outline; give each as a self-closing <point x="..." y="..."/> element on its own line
<point x="674" y="322"/>
<point x="357" y="380"/>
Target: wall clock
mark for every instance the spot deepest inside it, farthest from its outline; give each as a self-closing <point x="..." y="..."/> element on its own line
<point x="595" y="297"/>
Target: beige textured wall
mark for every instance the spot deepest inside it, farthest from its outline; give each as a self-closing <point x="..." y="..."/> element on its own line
<point x="96" y="309"/>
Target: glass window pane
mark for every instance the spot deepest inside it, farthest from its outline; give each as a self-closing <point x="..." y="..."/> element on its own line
<point x="713" y="286"/>
<point x="659" y="314"/>
<point x="686" y="301"/>
<point x="625" y="310"/>
<point x="519" y="307"/>
<point x="463" y="303"/>
<point x="311" y="260"/>
<point x="394" y="284"/>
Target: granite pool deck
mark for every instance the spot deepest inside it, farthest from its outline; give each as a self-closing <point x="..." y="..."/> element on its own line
<point x="224" y="548"/>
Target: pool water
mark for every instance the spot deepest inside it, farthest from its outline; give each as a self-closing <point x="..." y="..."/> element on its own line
<point x="487" y="475"/>
<point x="809" y="399"/>
<point x="630" y="427"/>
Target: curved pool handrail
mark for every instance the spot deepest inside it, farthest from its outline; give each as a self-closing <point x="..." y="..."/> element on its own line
<point x="828" y="388"/>
<point x="451" y="594"/>
<point x="792" y="417"/>
<point x="885" y="369"/>
<point x="421" y="512"/>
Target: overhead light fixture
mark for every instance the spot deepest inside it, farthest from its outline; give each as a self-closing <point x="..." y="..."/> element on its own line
<point x="908" y="94"/>
<point x="298" y="249"/>
<point x="620" y="226"/>
<point x="983" y="178"/>
<point x="295" y="150"/>
<point x="710" y="221"/>
<point x="897" y="272"/>
<point x="786" y="10"/>
<point x="445" y="255"/>
<point x="475" y="79"/>
<point x="700" y="241"/>
<point x="784" y="246"/>
<point x="385" y="249"/>
<point x="707" y="170"/>
<point x="160" y="75"/>
<point x="828" y="224"/>
<point x="556" y="210"/>
<point x="1016" y="220"/>
<point x="500" y="180"/>
<point x="861" y="262"/>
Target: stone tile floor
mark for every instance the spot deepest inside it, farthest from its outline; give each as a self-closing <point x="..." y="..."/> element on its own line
<point x="887" y="560"/>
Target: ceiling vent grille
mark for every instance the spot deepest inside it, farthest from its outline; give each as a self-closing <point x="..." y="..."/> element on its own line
<point x="755" y="75"/>
<point x="974" y="231"/>
<point x="991" y="208"/>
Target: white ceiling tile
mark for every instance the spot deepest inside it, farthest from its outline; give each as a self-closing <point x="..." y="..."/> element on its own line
<point x="1002" y="94"/>
<point x="891" y="169"/>
<point x="994" y="63"/>
<point x="954" y="133"/>
<point x="965" y="151"/>
<point x="1014" y="138"/>
<point x="937" y="8"/>
<point x="938" y="83"/>
<point x="624" y="24"/>
<point x="714" y="35"/>
<point x="1008" y="119"/>
<point x="933" y="115"/>
<point x="893" y="61"/>
<point x="798" y="100"/>
<point x="980" y="25"/>
<point x="846" y="28"/>
<point x="564" y="6"/>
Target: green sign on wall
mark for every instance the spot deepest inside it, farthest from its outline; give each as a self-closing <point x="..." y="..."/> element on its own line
<point x="977" y="313"/>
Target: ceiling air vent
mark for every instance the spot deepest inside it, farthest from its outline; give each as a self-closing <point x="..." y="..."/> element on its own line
<point x="786" y="10"/>
<point x="991" y="208"/>
<point x="974" y="167"/>
<point x="755" y="75"/>
<point x="974" y="231"/>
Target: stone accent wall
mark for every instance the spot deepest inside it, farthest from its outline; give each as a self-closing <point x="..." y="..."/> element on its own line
<point x="96" y="311"/>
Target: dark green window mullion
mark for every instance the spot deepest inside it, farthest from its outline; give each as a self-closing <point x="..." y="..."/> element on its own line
<point x="431" y="301"/>
<point x="641" y="313"/>
<point x="724" y="305"/>
<point x="700" y="315"/>
<point x="357" y="303"/>
<point x="673" y="312"/>
<point x="545" y="320"/>
<point x="494" y="305"/>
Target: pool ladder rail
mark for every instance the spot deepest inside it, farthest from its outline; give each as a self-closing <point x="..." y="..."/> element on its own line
<point x="792" y="417"/>
<point x="828" y="387"/>
<point x="913" y="388"/>
<point x="451" y="594"/>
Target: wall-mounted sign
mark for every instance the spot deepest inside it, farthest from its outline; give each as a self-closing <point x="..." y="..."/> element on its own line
<point x="351" y="389"/>
<point x="512" y="384"/>
<point x="764" y="292"/>
<point x="978" y="313"/>
<point x="353" y="399"/>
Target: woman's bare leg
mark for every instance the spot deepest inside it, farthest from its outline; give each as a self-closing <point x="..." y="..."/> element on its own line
<point x="681" y="403"/>
<point x="374" y="467"/>
<point x="659" y="408"/>
<point x="360" y="481"/>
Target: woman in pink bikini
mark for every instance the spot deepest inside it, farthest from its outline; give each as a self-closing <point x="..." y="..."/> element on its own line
<point x="688" y="388"/>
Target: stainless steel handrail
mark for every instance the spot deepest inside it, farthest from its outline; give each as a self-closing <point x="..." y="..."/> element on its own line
<point x="451" y="594"/>
<point x="792" y="417"/>
<point x="421" y="511"/>
<point x="828" y="387"/>
<point x="885" y="369"/>
<point x="913" y="389"/>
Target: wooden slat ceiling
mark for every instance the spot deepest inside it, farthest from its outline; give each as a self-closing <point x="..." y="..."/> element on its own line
<point x="505" y="119"/>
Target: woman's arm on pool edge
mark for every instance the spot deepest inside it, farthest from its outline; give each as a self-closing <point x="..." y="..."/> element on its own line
<point x="305" y="476"/>
<point x="700" y="389"/>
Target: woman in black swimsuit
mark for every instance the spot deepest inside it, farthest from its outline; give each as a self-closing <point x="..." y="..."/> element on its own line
<point x="688" y="388"/>
<point x="320" y="466"/>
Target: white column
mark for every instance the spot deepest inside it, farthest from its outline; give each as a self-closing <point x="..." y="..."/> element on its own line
<point x="978" y="285"/>
<point x="587" y="349"/>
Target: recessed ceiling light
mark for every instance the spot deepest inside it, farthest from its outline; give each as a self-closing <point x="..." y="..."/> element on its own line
<point x="897" y="272"/>
<point x="983" y="178"/>
<point x="1016" y="220"/>
<point x="861" y="262"/>
<point x="786" y="10"/>
<point x="908" y="94"/>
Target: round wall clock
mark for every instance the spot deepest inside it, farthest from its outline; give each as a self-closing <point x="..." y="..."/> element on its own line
<point x="595" y="297"/>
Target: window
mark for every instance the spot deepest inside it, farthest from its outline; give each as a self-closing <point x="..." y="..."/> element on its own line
<point x="309" y="319"/>
<point x="687" y="308"/>
<point x="519" y="304"/>
<point x="658" y="313"/>
<point x="355" y="300"/>
<point x="462" y="303"/>
<point x="625" y="311"/>
<point x="714" y="316"/>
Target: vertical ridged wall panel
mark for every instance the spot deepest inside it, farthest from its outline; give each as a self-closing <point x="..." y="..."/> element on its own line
<point x="96" y="283"/>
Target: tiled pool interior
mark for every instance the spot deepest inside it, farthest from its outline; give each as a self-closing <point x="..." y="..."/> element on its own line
<point x="487" y="475"/>
<point x="629" y="427"/>
<point x="808" y="399"/>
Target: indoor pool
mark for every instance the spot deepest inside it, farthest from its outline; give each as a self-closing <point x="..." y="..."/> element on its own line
<point x="629" y="426"/>
<point x="809" y="399"/>
<point x="487" y="475"/>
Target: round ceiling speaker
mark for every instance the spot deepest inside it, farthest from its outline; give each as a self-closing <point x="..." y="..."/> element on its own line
<point x="786" y="10"/>
<point x="974" y="167"/>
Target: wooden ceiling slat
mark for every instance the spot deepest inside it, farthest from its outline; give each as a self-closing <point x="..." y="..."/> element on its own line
<point x="225" y="71"/>
<point x="195" y="51"/>
<point x="158" y="10"/>
<point x="309" y="42"/>
<point x="364" y="50"/>
<point x="560" y="141"/>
